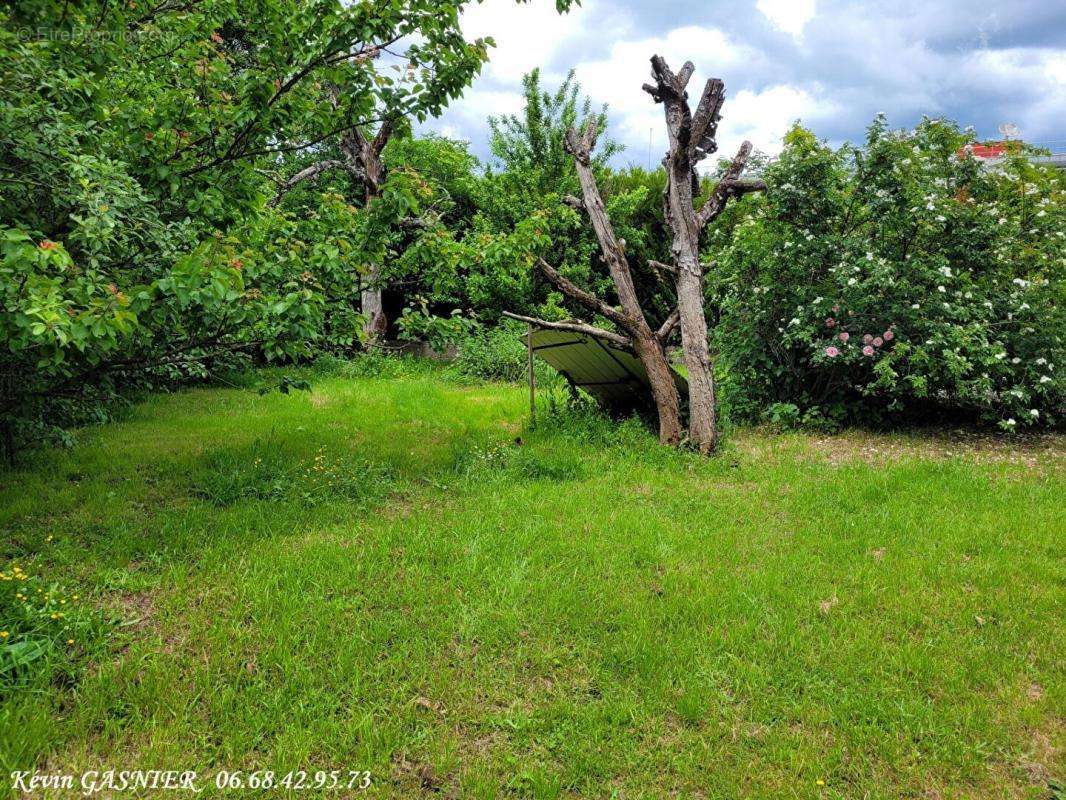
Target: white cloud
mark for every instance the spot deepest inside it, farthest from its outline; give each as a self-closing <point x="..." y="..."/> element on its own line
<point x="791" y="16"/>
<point x="527" y="35"/>
<point x="617" y="79"/>
<point x="765" y="116"/>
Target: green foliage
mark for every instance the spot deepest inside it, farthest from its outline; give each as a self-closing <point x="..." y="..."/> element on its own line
<point x="136" y="249"/>
<point x="438" y="332"/>
<point x="523" y="211"/>
<point x="896" y="281"/>
<point x="494" y="354"/>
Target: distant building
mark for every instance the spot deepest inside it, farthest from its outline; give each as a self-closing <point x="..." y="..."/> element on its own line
<point x="992" y="153"/>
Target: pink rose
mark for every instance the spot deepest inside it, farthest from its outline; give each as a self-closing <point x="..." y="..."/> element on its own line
<point x="878" y="341"/>
<point x="832" y="352"/>
<point x="844" y="336"/>
<point x="867" y="338"/>
<point x="830" y="322"/>
<point x="889" y="336"/>
<point x="867" y="351"/>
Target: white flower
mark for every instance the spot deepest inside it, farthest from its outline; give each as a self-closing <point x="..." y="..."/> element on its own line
<point x="941" y="289"/>
<point x="794" y="321"/>
<point x="931" y="206"/>
<point x="945" y="271"/>
<point x="941" y="218"/>
<point x="1034" y="413"/>
<point x="1001" y="356"/>
<point x="915" y="306"/>
<point x="1041" y="361"/>
<point x="852" y="281"/>
<point x="1016" y="360"/>
<point x="1045" y="379"/>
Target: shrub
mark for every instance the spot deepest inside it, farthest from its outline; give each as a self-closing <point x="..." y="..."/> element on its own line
<point x="499" y="354"/>
<point x="481" y="461"/>
<point x="896" y="281"/>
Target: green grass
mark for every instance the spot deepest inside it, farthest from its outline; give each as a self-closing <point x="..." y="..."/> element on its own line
<point x="374" y="576"/>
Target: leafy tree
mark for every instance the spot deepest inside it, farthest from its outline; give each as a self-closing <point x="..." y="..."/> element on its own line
<point x="131" y="135"/>
<point x="532" y="174"/>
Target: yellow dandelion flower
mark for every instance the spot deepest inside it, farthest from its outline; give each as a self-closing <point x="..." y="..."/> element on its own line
<point x="3" y="634"/>
<point x="820" y="782"/>
<point x="55" y="616"/>
<point x="70" y="641"/>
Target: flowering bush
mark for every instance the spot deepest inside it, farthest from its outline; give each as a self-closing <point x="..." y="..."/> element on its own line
<point x="897" y="280"/>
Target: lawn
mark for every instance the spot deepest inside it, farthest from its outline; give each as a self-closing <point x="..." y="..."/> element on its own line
<point x="374" y="575"/>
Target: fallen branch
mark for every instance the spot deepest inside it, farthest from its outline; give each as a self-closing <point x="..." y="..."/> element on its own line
<point x="575" y="327"/>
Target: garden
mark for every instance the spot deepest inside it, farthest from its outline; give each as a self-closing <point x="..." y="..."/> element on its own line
<point x="278" y="517"/>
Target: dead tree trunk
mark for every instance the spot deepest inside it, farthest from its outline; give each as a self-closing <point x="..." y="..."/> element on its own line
<point x="362" y="159"/>
<point x="692" y="138"/>
<point x="647" y="344"/>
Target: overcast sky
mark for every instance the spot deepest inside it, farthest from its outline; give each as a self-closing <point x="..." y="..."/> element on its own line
<point x="831" y="64"/>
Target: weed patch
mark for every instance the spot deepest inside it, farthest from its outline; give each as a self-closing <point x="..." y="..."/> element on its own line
<point x="47" y="633"/>
<point x="264" y="471"/>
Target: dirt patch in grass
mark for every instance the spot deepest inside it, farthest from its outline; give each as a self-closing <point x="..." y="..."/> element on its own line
<point x="134" y="610"/>
<point x="1038" y="451"/>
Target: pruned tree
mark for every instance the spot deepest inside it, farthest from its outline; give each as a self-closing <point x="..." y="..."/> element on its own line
<point x="692" y="138"/>
<point x="636" y="333"/>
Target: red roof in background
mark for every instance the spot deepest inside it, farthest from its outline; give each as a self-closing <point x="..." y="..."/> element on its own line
<point x="988" y="150"/>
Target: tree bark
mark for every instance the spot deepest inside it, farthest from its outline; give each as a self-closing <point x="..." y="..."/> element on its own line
<point x="646" y="344"/>
<point x="680" y="215"/>
<point x="692" y="138"/>
<point x="375" y="323"/>
<point x="649" y="349"/>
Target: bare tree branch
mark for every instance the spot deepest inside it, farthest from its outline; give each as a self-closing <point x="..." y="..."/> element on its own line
<point x="705" y="120"/>
<point x="309" y="173"/>
<point x="612" y="249"/>
<point x="668" y="325"/>
<point x="575" y="203"/>
<point x="586" y="298"/>
<point x="575" y="327"/>
<point x="729" y="186"/>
